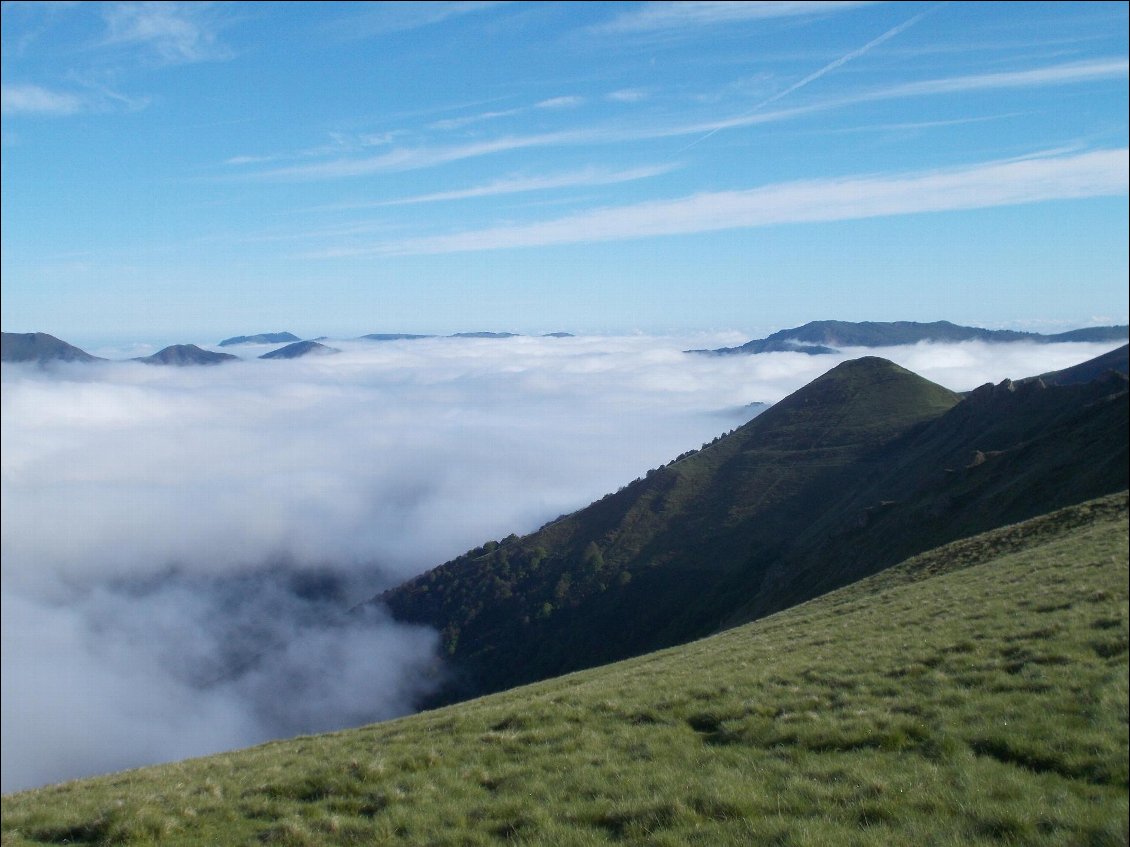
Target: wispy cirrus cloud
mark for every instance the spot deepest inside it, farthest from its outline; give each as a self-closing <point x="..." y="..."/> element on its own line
<point x="831" y="66"/>
<point x="651" y="17"/>
<point x="164" y="33"/>
<point x="432" y="155"/>
<point x="517" y="185"/>
<point x="339" y="144"/>
<point x="468" y="120"/>
<point x="1062" y="74"/>
<point x="1014" y="182"/>
<point x="564" y="102"/>
<point x="627" y="95"/>
<point x="1052" y="75"/>
<point x="413" y="158"/>
<point x="173" y="33"/>
<point x="381" y="18"/>
<point x="27" y="99"/>
<point x="567" y="102"/>
<point x="920" y="126"/>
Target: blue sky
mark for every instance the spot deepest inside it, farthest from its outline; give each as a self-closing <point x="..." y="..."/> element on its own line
<point x="192" y="171"/>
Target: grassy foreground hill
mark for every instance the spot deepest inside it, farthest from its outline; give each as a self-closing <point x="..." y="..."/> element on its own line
<point x="976" y="694"/>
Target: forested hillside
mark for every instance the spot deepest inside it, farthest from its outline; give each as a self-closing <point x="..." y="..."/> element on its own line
<point x="865" y="466"/>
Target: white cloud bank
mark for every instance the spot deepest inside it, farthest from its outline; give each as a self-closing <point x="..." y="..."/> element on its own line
<point x="179" y="545"/>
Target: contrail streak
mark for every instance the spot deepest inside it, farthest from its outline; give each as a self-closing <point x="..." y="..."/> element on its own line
<point x="828" y="68"/>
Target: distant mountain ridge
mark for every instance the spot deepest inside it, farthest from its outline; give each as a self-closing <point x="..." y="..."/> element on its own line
<point x="42" y="348"/>
<point x="261" y="338"/>
<point x="813" y="338"/>
<point x="824" y="337"/>
<point x="863" y="467"/>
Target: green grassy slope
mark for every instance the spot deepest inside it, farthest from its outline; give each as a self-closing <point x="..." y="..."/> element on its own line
<point x="974" y="695"/>
<point x="863" y="467"/>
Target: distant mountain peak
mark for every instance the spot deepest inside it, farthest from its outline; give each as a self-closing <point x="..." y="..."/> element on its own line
<point x="186" y="354"/>
<point x="863" y="366"/>
<point x="861" y="372"/>
<point x="40" y="347"/>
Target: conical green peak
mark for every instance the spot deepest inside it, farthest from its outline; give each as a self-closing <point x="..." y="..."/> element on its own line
<point x="859" y="400"/>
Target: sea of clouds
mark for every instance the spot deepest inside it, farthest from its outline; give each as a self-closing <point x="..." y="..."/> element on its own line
<point x="182" y="546"/>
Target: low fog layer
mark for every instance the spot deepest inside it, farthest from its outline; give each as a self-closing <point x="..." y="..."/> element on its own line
<point x="182" y="546"/>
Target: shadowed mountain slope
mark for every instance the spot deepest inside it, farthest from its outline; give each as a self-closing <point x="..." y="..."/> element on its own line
<point x="861" y="468"/>
<point x="186" y="354"/>
<point x="1006" y="453"/>
<point x="625" y="568"/>
<point x="1116" y="360"/>
<point x="40" y="347"/>
<point x="818" y="337"/>
<point x="976" y="694"/>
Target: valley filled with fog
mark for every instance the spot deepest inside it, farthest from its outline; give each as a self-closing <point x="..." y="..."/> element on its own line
<point x="182" y="546"/>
